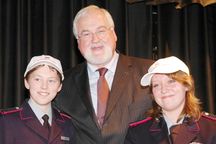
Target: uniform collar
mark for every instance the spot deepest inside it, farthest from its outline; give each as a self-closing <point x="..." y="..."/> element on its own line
<point x="160" y="123"/>
<point x="39" y="113"/>
<point x="158" y="130"/>
<point x="170" y="124"/>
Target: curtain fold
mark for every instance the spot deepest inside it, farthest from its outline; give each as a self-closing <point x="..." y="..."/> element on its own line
<point x="187" y="33"/>
<point x="179" y="3"/>
<point x="149" y="30"/>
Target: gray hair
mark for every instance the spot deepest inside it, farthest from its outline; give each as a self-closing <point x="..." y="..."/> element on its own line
<point x="84" y="11"/>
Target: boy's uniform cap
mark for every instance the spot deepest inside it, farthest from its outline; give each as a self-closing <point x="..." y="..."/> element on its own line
<point x="47" y="60"/>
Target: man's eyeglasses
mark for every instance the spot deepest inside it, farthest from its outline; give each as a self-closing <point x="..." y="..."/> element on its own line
<point x="101" y="33"/>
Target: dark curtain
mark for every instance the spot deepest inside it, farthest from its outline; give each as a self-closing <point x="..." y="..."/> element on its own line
<point x="188" y="33"/>
<point x="35" y="27"/>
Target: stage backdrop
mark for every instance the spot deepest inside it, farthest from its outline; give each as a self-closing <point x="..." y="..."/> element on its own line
<point x="145" y="29"/>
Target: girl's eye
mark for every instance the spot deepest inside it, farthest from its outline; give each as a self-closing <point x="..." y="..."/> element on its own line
<point x="172" y="81"/>
<point x="155" y="85"/>
<point x="51" y="81"/>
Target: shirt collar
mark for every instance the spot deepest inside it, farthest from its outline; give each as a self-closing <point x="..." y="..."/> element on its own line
<point x="170" y="124"/>
<point x="38" y="112"/>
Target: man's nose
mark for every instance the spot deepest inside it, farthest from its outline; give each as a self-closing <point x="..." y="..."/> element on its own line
<point x="95" y="37"/>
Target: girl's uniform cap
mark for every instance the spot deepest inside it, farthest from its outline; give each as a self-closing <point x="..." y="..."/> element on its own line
<point x="164" y="66"/>
<point x="46" y="60"/>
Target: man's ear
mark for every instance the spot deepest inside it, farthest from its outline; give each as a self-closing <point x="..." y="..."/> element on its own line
<point x="114" y="34"/>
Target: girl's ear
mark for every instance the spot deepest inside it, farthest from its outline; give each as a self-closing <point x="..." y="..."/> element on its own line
<point x="187" y="88"/>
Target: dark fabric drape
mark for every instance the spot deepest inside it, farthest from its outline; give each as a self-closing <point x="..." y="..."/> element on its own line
<point x="34" y="27"/>
<point x="187" y="33"/>
<point x="179" y="3"/>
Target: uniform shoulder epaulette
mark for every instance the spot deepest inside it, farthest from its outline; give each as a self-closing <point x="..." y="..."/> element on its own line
<point x="140" y="122"/>
<point x="209" y="116"/>
<point x="10" y="110"/>
<point x="64" y="115"/>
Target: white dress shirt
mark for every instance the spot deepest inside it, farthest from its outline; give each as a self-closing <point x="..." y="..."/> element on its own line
<point x="93" y="75"/>
<point x="39" y="113"/>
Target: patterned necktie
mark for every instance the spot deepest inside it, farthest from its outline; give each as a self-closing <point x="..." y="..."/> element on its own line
<point x="103" y="93"/>
<point x="46" y="124"/>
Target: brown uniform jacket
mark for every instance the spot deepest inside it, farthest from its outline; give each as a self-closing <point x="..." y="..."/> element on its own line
<point x="152" y="131"/>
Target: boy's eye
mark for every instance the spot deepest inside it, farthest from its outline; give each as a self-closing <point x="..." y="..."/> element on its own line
<point x="52" y="81"/>
<point x="36" y="79"/>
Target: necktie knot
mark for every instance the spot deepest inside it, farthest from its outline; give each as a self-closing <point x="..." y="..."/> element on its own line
<point x="46" y="121"/>
<point x="45" y="118"/>
<point x="102" y="71"/>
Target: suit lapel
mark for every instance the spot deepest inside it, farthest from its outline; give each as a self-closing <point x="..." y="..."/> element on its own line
<point x="31" y="121"/>
<point x="82" y="83"/>
<point x="119" y="82"/>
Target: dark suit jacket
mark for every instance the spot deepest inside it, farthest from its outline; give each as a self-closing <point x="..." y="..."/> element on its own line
<point x="21" y="126"/>
<point x="127" y="101"/>
<point x="152" y="131"/>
